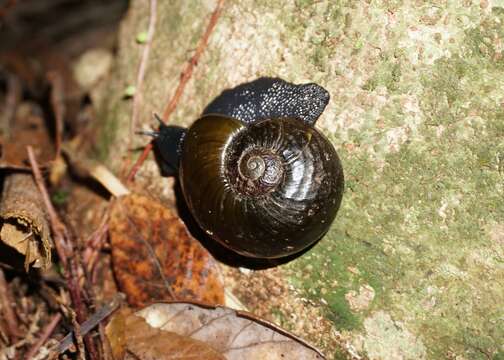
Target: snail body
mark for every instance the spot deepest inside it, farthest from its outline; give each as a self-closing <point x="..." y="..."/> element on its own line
<point x="256" y="174"/>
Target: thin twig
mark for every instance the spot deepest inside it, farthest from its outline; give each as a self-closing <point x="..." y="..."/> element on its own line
<point x="58" y="229"/>
<point x="187" y="73"/>
<point x="64" y="246"/>
<point x="49" y="328"/>
<point x="78" y="294"/>
<point x="10" y="316"/>
<point x="90" y="323"/>
<point x="139" y="162"/>
<point x="106" y="348"/>
<point x="137" y="99"/>
<point x="95" y="244"/>
<point x="78" y="336"/>
<point x="184" y="78"/>
<point x="4" y="338"/>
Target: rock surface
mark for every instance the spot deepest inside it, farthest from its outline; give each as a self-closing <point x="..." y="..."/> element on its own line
<point x="413" y="265"/>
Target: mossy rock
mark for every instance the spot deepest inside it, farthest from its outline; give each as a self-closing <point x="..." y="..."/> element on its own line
<point x="413" y="266"/>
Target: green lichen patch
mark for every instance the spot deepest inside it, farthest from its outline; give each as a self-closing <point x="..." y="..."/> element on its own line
<point x="350" y="255"/>
<point x="422" y="143"/>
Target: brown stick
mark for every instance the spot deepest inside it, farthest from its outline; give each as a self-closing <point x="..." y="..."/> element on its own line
<point x="81" y="350"/>
<point x="58" y="229"/>
<point x="64" y="247"/>
<point x="49" y="328"/>
<point x="94" y="320"/>
<point x="139" y="162"/>
<point x="93" y="261"/>
<point x="95" y="244"/>
<point x="187" y="73"/>
<point x="184" y="78"/>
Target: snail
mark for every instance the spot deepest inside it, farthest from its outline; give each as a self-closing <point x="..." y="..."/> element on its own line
<point x="256" y="174"/>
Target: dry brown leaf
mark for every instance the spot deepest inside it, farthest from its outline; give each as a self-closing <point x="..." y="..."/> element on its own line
<point x="131" y="337"/>
<point x="24" y="224"/>
<point x="155" y="258"/>
<point x="86" y="167"/>
<point x="233" y="335"/>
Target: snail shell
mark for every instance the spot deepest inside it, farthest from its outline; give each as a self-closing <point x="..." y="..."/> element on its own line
<point x="255" y="173"/>
<point x="267" y="190"/>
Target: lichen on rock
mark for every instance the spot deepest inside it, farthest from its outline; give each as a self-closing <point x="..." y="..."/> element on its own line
<point x="416" y="114"/>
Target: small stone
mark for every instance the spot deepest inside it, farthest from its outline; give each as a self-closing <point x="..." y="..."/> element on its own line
<point x="91" y="67"/>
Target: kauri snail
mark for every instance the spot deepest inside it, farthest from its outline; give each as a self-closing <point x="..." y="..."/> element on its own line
<point x="255" y="173"/>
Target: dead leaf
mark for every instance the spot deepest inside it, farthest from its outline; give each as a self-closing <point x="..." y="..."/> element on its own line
<point x="131" y="337"/>
<point x="155" y="258"/>
<point x="231" y="334"/>
<point x="24" y="225"/>
<point x="86" y="167"/>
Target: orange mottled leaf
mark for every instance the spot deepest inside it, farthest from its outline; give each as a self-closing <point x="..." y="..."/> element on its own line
<point x="155" y="258"/>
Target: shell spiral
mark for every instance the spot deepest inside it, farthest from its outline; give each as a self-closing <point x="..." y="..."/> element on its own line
<point x="267" y="189"/>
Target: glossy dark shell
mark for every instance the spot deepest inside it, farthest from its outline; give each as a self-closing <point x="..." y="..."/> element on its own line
<point x="278" y="217"/>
